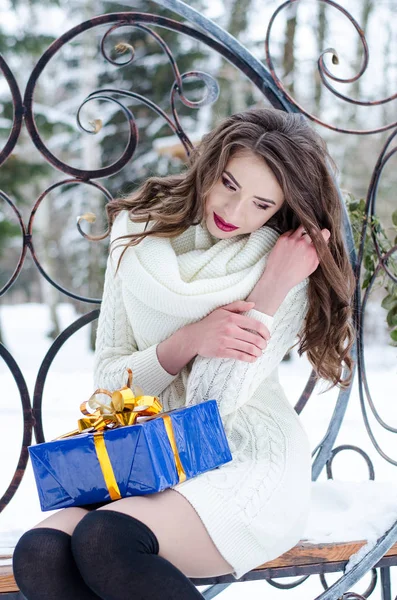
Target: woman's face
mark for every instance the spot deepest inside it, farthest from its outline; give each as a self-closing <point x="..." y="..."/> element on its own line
<point x="246" y="195"/>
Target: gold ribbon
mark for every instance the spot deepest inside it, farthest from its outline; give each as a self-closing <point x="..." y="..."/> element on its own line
<point x="127" y="404"/>
<point x="106" y="466"/>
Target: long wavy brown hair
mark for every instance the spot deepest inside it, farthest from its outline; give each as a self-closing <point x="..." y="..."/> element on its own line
<point x="300" y="161"/>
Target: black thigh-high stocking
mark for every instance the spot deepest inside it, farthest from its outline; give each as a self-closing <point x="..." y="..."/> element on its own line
<point x="117" y="555"/>
<point x="44" y="567"/>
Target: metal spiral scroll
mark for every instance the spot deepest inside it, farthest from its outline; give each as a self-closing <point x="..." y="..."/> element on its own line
<point x="385" y="155"/>
<point x="266" y="80"/>
<point x="33" y="415"/>
<point x="18" y="110"/>
<point x="136" y="20"/>
<point x="326" y="74"/>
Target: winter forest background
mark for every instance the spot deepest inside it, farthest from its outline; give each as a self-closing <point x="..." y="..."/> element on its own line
<point x="33" y="313"/>
<point x="299" y="35"/>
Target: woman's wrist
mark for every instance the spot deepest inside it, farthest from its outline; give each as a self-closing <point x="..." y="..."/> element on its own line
<point x="269" y="293"/>
<point x="176" y="351"/>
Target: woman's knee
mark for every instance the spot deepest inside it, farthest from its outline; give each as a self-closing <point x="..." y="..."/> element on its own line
<point x="39" y="552"/>
<point x="103" y="535"/>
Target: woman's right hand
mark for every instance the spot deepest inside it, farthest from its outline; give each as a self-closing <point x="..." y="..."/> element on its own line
<point x="222" y="333"/>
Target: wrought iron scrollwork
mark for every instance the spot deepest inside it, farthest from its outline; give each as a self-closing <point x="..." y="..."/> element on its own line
<point x="271" y="87"/>
<point x="18" y="110"/>
<point x="326" y="74"/>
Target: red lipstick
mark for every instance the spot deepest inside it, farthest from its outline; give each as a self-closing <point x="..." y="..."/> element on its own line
<point x="222" y="224"/>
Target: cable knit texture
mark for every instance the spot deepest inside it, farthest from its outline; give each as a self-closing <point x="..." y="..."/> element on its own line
<point x="256" y="506"/>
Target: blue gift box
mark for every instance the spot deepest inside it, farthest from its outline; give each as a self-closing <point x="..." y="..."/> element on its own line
<point x="68" y="472"/>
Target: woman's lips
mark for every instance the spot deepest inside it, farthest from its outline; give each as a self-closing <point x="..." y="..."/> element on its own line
<point x="219" y="223"/>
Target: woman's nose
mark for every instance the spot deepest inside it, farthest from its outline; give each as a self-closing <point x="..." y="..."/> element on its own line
<point x="235" y="211"/>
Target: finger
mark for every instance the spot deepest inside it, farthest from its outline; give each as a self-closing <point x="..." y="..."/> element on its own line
<point x="326" y="234"/>
<point x="298" y="232"/>
<point x="254" y="326"/>
<point x="239" y="305"/>
<point x="306" y="237"/>
<point x="287" y="233"/>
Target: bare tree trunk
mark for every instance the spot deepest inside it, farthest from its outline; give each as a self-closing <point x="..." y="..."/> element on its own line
<point x="289" y="44"/>
<point x="367" y="7"/>
<point x="91" y="159"/>
<point x="387" y="53"/>
<point x="48" y="258"/>
<point x="321" y="33"/>
<point x="349" y="113"/>
<point x="233" y="84"/>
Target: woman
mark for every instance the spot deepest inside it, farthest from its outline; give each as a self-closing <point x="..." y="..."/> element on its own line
<point x="178" y="309"/>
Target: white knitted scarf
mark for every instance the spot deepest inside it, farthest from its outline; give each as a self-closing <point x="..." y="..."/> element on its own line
<point x="191" y="275"/>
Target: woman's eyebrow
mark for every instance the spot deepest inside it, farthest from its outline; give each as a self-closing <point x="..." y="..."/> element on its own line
<point x="239" y="186"/>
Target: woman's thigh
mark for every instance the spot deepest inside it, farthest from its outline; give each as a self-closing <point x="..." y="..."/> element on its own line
<point x="182" y="536"/>
<point x="65" y="519"/>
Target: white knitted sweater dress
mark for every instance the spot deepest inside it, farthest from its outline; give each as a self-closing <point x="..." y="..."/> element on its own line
<point x="256" y="506"/>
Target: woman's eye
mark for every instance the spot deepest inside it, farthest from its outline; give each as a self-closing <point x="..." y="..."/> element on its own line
<point x="227" y="184"/>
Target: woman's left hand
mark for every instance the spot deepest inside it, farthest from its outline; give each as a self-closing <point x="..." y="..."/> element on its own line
<point x="293" y="257"/>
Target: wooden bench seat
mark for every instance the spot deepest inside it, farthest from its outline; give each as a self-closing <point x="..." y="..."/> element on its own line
<point x="315" y="558"/>
<point x="7" y="581"/>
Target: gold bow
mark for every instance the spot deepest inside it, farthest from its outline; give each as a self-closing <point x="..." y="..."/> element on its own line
<point x="127" y="404"/>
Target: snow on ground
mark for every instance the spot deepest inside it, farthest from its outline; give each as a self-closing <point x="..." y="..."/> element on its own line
<point x="350" y="507"/>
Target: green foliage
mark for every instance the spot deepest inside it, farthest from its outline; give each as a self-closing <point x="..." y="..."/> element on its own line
<point x="150" y="75"/>
<point x="7" y="230"/>
<point x="30" y="44"/>
<point x="21" y="169"/>
<point x="356" y="210"/>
